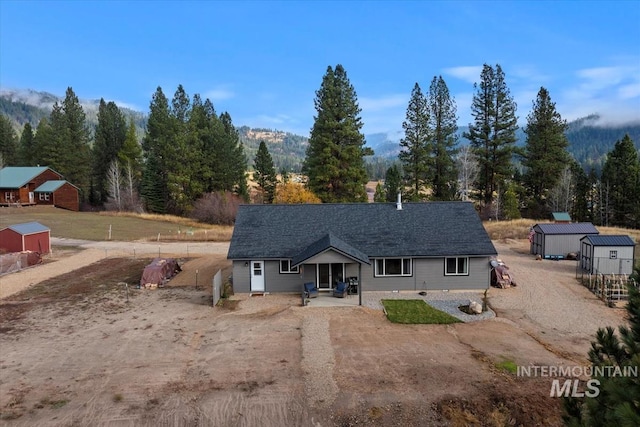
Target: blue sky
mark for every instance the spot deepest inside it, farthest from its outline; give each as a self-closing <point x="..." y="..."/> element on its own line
<point x="263" y="61"/>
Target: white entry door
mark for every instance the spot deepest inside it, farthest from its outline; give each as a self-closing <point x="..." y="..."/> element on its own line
<point x="257" y="276"/>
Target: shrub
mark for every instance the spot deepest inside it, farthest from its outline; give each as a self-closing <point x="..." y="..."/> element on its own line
<point x="216" y="208"/>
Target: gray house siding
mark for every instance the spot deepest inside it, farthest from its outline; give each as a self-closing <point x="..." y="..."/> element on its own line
<point x="428" y="274"/>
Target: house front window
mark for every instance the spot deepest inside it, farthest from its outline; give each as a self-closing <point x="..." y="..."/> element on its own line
<point x="44" y="196"/>
<point x="458" y="266"/>
<point x="285" y="267"/>
<point x="8" y="196"/>
<point x="393" y="267"/>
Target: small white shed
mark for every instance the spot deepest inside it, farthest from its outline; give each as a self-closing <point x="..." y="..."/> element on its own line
<point x="607" y="254"/>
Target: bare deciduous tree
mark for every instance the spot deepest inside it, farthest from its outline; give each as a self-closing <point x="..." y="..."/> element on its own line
<point x="114" y="185"/>
<point x="467" y="171"/>
<point x="562" y="196"/>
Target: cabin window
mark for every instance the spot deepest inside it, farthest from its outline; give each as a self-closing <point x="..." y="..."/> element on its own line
<point x="393" y="267"/>
<point x="8" y="196"/>
<point x="613" y="254"/>
<point x="285" y="267"/>
<point x="43" y="196"/>
<point x="456" y="266"/>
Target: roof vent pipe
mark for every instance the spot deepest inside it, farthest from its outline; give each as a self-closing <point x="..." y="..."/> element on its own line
<point x="399" y="202"/>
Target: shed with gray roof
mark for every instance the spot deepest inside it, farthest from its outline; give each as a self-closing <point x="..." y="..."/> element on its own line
<point x="28" y="236"/>
<point x="382" y="246"/>
<point x="556" y="240"/>
<point x="607" y="254"/>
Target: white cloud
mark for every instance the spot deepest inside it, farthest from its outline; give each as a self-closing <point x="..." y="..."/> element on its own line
<point x="470" y="74"/>
<point x="219" y="94"/>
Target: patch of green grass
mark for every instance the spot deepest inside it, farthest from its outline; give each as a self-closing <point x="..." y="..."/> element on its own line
<point x="508" y="365"/>
<point x="415" y="311"/>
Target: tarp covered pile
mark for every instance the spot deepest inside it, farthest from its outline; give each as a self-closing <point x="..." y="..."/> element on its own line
<point x="16" y="261"/>
<point x="500" y="275"/>
<point x="159" y="272"/>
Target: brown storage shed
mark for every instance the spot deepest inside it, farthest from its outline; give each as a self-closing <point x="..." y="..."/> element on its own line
<point x="29" y="236"/>
<point x="59" y="193"/>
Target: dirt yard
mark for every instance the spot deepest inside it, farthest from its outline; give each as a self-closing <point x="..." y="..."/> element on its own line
<point x="75" y="351"/>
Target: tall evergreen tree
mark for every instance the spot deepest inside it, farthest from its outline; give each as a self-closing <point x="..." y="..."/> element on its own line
<point x="76" y="144"/>
<point x="230" y="174"/>
<point x="265" y="173"/>
<point x="545" y="153"/>
<point x="110" y="134"/>
<point x="334" y="162"/>
<point x="493" y="132"/>
<point x="27" y="146"/>
<point x="8" y="143"/>
<point x="392" y="183"/>
<point x="416" y="145"/>
<point x="580" y="211"/>
<point x="157" y="146"/>
<point x="443" y="127"/>
<point x="42" y="142"/>
<point x="621" y="174"/>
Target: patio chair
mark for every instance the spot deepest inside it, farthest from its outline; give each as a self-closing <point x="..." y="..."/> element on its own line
<point x="340" y="290"/>
<point x="310" y="290"/>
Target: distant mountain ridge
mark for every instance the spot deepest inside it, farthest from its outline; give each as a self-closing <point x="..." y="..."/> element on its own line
<point x="589" y="138"/>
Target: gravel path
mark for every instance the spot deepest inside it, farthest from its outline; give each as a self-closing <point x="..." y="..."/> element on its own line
<point x="318" y="361"/>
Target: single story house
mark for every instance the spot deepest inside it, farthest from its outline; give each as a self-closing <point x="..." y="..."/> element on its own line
<point x="29" y="236"/>
<point x="607" y="254"/>
<point x="556" y="240"/>
<point x="382" y="246"/>
<point x="19" y="185"/>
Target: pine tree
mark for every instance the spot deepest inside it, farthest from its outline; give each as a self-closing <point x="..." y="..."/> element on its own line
<point x="379" y="196"/>
<point x="42" y="141"/>
<point x="265" y="173"/>
<point x="110" y="134"/>
<point x="618" y="400"/>
<point x="621" y="174"/>
<point x="334" y="162"/>
<point x="545" y="152"/>
<point x="416" y="145"/>
<point x="8" y="143"/>
<point x="130" y="159"/>
<point x="27" y="146"/>
<point x="75" y="144"/>
<point x="493" y="133"/>
<point x="392" y="183"/>
<point x="156" y="145"/>
<point x="443" y="127"/>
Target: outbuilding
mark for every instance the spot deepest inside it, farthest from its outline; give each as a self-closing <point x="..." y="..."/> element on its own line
<point x="59" y="193"/>
<point x="607" y="254"/>
<point x="29" y="236"/>
<point x="556" y="240"/>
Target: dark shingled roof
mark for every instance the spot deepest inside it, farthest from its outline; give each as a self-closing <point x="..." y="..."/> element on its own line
<point x="329" y="241"/>
<point x="610" y="240"/>
<point x="359" y="230"/>
<point x="571" y="228"/>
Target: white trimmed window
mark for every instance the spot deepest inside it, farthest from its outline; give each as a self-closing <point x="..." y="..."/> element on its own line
<point x="285" y="267"/>
<point x="613" y="254"/>
<point x="392" y="267"/>
<point x="456" y="266"/>
<point x="8" y="196"/>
